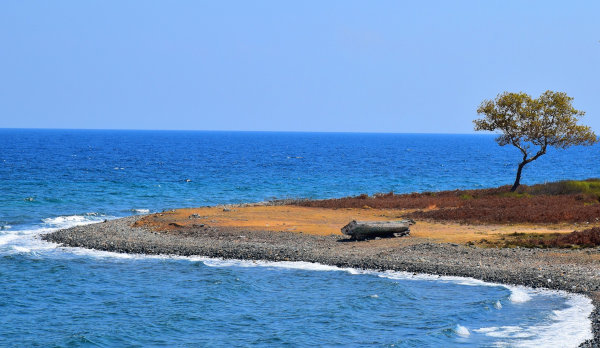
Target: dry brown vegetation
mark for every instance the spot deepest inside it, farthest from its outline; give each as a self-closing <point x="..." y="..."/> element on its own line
<point x="565" y="201"/>
<point x="588" y="238"/>
<point x="535" y="216"/>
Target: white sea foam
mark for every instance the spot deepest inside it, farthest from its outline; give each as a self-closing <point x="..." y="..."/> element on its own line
<point x="62" y="219"/>
<point x="26" y="240"/>
<point x="519" y="294"/>
<point x="21" y="249"/>
<point x="141" y="211"/>
<point x="498" y="305"/>
<point x="7" y="238"/>
<point x="100" y="254"/>
<point x="72" y="220"/>
<point x="301" y="265"/>
<point x="504" y="332"/>
<point x="572" y="324"/>
<point x="451" y="279"/>
<point x="462" y="331"/>
<point x="431" y="277"/>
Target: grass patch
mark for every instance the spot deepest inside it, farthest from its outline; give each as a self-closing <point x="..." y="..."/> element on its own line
<point x="565" y="187"/>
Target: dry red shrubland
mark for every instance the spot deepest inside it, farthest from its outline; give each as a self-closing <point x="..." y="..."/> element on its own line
<point x="550" y="203"/>
<point x="578" y="239"/>
<point x="536" y="209"/>
<point x="589" y="238"/>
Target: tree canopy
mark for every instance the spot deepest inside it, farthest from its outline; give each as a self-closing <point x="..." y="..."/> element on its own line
<point x="531" y="125"/>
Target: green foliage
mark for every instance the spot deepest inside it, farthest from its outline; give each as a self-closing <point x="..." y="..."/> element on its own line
<point x="531" y="125"/>
<point x="566" y="187"/>
<point x="465" y="196"/>
<point x="581" y="187"/>
<point x="514" y="194"/>
<point x="524" y="121"/>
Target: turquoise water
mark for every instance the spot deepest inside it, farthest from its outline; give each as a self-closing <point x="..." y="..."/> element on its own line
<point x="67" y="297"/>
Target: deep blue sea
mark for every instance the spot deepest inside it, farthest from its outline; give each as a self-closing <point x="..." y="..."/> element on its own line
<point x="70" y="297"/>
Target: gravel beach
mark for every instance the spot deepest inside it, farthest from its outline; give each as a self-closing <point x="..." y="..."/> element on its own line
<point x="570" y="270"/>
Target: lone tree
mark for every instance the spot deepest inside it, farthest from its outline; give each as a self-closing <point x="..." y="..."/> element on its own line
<point x="531" y="125"/>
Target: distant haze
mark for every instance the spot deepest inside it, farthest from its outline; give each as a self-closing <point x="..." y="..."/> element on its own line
<point x="357" y="66"/>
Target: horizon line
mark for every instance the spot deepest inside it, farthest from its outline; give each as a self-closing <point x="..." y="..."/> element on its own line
<point x="238" y="131"/>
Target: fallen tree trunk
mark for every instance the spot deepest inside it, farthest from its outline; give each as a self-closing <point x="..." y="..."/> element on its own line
<point x="361" y="230"/>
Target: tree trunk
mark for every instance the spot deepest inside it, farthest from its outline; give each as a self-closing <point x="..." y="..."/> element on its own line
<point x="362" y="230"/>
<point x="518" y="179"/>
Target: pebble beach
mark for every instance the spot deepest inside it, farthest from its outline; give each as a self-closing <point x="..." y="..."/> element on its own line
<point x="567" y="270"/>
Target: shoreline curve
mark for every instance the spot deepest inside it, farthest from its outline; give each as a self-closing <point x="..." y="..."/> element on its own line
<point x="570" y="271"/>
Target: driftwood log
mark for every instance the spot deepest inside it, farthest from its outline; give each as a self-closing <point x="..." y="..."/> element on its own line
<point x="361" y="230"/>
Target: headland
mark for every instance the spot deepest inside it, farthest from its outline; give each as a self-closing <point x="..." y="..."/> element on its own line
<point x="489" y="235"/>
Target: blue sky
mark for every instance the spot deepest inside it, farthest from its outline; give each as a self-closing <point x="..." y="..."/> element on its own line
<point x="358" y="66"/>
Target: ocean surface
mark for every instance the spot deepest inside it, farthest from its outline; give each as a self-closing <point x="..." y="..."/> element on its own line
<point x="71" y="297"/>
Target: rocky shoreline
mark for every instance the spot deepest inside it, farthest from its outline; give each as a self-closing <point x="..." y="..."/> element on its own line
<point x="574" y="271"/>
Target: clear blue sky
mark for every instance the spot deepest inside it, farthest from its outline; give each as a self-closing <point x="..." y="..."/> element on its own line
<point x="371" y="66"/>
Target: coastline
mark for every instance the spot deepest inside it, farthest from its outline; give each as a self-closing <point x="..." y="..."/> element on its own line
<point x="570" y="271"/>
